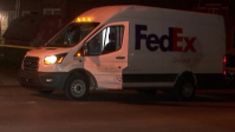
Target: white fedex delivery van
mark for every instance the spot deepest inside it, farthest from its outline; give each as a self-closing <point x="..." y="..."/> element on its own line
<point x="121" y="47"/>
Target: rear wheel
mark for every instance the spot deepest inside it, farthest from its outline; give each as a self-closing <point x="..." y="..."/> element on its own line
<point x="185" y="90"/>
<point x="77" y="87"/>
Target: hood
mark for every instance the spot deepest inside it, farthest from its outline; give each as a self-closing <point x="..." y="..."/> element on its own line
<point x="45" y="51"/>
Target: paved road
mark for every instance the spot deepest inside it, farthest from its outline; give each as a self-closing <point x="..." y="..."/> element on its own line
<point x="8" y="74"/>
<point x="22" y="110"/>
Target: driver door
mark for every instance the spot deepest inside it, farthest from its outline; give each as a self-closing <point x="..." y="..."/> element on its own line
<point x="106" y="55"/>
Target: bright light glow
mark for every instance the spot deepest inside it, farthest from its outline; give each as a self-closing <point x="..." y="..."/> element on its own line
<point x="225" y="72"/>
<point x="78" y="54"/>
<point x="50" y="59"/>
<point x="78" y="20"/>
<point x="89" y="19"/>
<point x="225" y="60"/>
<point x="83" y="19"/>
<point x="2" y="17"/>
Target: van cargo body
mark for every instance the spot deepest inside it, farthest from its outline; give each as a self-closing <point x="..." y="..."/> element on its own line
<point x="137" y="47"/>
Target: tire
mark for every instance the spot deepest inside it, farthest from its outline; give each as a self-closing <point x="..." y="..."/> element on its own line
<point x="46" y="92"/>
<point x="77" y="87"/>
<point x="185" y="90"/>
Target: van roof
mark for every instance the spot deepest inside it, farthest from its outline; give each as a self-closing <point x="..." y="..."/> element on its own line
<point x="101" y="14"/>
<point x="125" y="12"/>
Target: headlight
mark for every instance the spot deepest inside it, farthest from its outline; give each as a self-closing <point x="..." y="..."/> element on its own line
<point x="54" y="59"/>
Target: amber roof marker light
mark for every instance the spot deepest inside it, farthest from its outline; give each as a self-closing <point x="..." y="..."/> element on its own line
<point x="83" y="19"/>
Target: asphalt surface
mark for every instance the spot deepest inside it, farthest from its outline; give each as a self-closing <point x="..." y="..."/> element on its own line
<point x="8" y="75"/>
<point x="23" y="110"/>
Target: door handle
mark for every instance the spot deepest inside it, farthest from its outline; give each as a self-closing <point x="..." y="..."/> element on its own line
<point x="120" y="57"/>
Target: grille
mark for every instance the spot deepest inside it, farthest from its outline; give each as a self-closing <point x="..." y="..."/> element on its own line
<point x="31" y="63"/>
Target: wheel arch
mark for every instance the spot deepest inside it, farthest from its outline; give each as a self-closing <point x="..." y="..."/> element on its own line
<point x="186" y="76"/>
<point x="90" y="78"/>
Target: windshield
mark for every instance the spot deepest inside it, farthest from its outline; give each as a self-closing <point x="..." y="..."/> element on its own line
<point x="71" y="34"/>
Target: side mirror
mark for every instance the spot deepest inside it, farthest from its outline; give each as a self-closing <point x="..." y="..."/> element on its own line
<point x="84" y="50"/>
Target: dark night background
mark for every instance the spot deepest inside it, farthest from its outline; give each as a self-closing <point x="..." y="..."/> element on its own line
<point x="31" y="23"/>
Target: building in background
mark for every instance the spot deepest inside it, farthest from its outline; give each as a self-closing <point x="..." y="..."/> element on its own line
<point x="65" y="10"/>
<point x="6" y="15"/>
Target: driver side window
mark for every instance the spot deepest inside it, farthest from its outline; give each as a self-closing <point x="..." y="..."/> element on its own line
<point x="107" y="41"/>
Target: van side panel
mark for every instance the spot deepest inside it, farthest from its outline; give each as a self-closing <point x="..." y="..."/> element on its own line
<point x="167" y="43"/>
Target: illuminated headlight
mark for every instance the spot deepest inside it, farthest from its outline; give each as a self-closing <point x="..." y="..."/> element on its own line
<point x="54" y="59"/>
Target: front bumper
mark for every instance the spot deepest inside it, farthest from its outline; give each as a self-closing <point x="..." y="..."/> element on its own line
<point x="43" y="80"/>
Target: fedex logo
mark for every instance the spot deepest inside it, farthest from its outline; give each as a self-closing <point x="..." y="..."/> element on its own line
<point x="166" y="42"/>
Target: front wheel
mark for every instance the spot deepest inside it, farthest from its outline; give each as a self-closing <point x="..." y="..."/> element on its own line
<point x="77" y="87"/>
